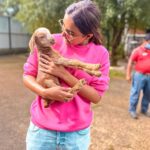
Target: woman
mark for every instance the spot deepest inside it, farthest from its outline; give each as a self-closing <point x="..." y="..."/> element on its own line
<point x="66" y="125"/>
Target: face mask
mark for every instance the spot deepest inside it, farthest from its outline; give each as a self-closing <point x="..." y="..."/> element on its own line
<point x="147" y="46"/>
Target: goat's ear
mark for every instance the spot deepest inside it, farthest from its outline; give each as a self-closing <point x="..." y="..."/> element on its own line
<point x="32" y="42"/>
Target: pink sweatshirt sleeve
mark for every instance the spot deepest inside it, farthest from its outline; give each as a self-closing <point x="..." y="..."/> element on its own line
<point x="31" y="65"/>
<point x="99" y="83"/>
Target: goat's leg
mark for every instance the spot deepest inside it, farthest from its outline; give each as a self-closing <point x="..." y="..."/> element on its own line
<point x="76" y="63"/>
<point x="47" y="102"/>
<point x="52" y="82"/>
<point x="76" y="88"/>
<point x="47" y="81"/>
<point x="92" y="72"/>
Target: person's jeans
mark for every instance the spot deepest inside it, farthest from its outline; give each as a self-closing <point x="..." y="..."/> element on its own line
<point x="41" y="139"/>
<point x="140" y="82"/>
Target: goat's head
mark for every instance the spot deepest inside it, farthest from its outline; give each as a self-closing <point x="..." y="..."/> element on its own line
<point x="42" y="39"/>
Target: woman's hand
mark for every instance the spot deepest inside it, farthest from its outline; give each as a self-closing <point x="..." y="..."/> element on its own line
<point x="58" y="93"/>
<point x="47" y="65"/>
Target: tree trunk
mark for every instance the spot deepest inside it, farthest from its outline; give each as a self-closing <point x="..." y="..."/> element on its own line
<point x="118" y="29"/>
<point x="117" y="34"/>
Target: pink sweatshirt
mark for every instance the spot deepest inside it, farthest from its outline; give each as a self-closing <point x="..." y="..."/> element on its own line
<point x="76" y="114"/>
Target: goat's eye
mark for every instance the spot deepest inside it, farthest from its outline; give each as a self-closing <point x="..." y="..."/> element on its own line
<point x="41" y="37"/>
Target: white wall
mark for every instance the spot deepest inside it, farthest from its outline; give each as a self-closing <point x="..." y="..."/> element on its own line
<point x="132" y="41"/>
<point x="19" y="37"/>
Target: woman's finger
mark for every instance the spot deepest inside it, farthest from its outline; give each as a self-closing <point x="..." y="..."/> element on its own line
<point x="66" y="89"/>
<point x="46" y="62"/>
<point x="43" y="70"/>
<point x="46" y="57"/>
<point x="45" y="66"/>
<point x="43" y="60"/>
<point x="67" y="95"/>
<point x="68" y="99"/>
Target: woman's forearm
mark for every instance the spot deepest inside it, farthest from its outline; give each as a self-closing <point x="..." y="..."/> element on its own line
<point x="54" y="93"/>
<point x="30" y="82"/>
<point x="87" y="91"/>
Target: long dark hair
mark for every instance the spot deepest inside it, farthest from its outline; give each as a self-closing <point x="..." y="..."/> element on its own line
<point x="86" y="16"/>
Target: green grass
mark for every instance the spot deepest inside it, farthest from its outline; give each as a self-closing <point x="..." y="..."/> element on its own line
<point x="117" y="74"/>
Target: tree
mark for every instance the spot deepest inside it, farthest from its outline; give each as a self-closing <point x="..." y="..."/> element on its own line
<point x="118" y="13"/>
<point x="34" y="14"/>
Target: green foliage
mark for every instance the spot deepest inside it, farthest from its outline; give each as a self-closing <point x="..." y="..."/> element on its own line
<point x="115" y="14"/>
<point x="35" y="13"/>
<point x="114" y="10"/>
<point x="118" y="13"/>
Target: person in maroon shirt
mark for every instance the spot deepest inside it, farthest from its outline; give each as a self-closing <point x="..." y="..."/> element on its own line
<point x="140" y="58"/>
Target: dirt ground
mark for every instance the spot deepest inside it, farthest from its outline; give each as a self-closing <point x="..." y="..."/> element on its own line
<point x="112" y="127"/>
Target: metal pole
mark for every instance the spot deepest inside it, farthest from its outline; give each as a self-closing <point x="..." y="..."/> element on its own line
<point x="9" y="32"/>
